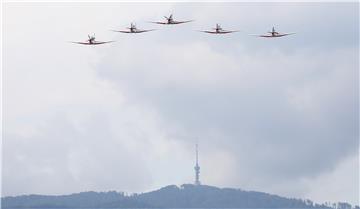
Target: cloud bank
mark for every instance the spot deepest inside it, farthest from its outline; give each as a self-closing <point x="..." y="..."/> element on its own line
<point x="279" y="116"/>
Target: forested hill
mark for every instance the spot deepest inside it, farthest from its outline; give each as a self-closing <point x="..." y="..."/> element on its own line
<point x="186" y="196"/>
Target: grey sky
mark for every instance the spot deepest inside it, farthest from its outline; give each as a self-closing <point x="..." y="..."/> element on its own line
<point x="279" y="116"/>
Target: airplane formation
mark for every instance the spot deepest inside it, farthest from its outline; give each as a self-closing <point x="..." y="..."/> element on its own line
<point x="170" y="21"/>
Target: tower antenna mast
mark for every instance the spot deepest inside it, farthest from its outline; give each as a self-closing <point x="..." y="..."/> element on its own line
<point x="197" y="167"/>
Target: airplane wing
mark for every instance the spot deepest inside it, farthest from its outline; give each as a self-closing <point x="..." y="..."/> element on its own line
<point x="121" y="31"/>
<point x="83" y="43"/>
<point x="287" y="34"/>
<point x="206" y="31"/>
<point x="101" y="42"/>
<point x="162" y="23"/>
<point x="229" y="31"/>
<point x="265" y="36"/>
<point x="262" y="36"/>
<point x="143" y="31"/>
<point x="180" y="22"/>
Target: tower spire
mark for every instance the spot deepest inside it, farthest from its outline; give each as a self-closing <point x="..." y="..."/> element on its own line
<point x="197" y="167"/>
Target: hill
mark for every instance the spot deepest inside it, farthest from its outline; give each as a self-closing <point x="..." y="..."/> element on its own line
<point x="185" y="196"/>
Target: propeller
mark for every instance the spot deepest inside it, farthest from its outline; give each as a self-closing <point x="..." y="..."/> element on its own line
<point x="91" y="38"/>
<point x="169" y="18"/>
<point x="218" y="27"/>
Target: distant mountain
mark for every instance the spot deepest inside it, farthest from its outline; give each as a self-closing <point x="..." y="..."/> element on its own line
<point x="186" y="196"/>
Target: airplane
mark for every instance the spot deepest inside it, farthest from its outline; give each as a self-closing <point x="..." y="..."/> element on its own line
<point x="274" y="34"/>
<point x="132" y="29"/>
<point x="91" y="41"/>
<point x="218" y="30"/>
<point x="170" y="21"/>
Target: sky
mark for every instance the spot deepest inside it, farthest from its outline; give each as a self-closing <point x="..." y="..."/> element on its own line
<point x="273" y="115"/>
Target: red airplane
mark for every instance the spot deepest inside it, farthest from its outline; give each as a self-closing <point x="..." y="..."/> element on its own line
<point x="171" y="21"/>
<point x="274" y="34"/>
<point x="91" y="41"/>
<point x="132" y="29"/>
<point x="219" y="30"/>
